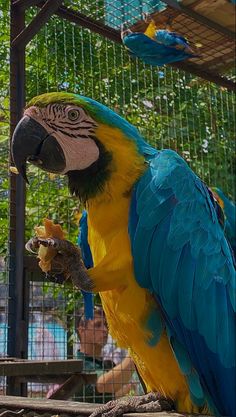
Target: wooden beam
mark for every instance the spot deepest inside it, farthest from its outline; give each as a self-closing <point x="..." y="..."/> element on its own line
<point x="47" y="10"/>
<point x="31" y="367"/>
<point x="89" y="23"/>
<point x="47" y="406"/>
<point x="70" y="408"/>
<point x="202" y="19"/>
<point x="25" y="4"/>
<point x="203" y="73"/>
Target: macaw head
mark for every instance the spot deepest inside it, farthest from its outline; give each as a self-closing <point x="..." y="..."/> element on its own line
<point x="69" y="134"/>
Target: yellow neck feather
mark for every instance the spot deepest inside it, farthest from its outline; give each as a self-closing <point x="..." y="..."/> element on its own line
<point x="127" y="164"/>
<point x="108" y="212"/>
<point x="151" y="29"/>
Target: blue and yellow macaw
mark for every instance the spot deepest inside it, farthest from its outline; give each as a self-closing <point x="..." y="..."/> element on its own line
<point x="162" y="265"/>
<point x="157" y="46"/>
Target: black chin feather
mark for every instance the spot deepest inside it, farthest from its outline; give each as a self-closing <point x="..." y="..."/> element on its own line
<point x="89" y="182"/>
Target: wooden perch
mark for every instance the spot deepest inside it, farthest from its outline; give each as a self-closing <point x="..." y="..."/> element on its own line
<point x="67" y="408"/>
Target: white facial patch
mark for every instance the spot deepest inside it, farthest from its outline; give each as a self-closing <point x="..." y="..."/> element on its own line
<point x="79" y="153"/>
<point x="74" y="136"/>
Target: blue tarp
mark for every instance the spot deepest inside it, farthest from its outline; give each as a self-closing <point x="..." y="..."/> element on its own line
<point x="45" y="342"/>
<point x="119" y="12"/>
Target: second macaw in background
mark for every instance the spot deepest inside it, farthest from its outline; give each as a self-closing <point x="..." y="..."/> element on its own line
<point x="229" y="210"/>
<point x="157" y="46"/>
<point x="162" y="265"/>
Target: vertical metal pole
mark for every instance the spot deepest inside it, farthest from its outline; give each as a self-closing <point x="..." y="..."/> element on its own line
<point x="69" y="333"/>
<point x="17" y="320"/>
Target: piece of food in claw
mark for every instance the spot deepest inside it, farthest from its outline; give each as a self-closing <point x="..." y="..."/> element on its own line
<point x="13" y="170"/>
<point x="48" y="230"/>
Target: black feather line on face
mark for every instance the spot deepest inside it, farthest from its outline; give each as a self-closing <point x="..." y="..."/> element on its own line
<point x="89" y="182"/>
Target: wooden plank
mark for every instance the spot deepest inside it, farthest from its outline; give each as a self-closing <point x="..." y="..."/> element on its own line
<point x="45" y="405"/>
<point x="162" y="414"/>
<point x="53" y="367"/>
<point x="70" y="408"/>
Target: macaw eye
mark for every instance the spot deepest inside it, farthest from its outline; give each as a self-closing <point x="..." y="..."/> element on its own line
<point x="73" y="115"/>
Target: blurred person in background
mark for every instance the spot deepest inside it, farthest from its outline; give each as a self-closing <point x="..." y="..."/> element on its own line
<point x="113" y="380"/>
<point x="111" y="351"/>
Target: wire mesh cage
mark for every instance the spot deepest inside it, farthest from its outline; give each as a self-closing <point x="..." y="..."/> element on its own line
<point x="215" y="50"/>
<point x="172" y="108"/>
<point x="210" y="28"/>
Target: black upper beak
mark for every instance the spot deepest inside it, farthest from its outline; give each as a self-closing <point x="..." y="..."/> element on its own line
<point x="32" y="143"/>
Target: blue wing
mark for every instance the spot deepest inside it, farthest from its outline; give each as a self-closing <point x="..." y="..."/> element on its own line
<point x="187" y="264"/>
<point x="151" y="52"/>
<point x="171" y="38"/>
<point x="88" y="261"/>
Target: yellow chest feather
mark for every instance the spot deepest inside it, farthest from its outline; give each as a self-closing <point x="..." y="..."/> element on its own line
<point x="127" y="306"/>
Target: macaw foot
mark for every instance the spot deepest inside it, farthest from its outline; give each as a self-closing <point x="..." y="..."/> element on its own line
<point x="144" y="403"/>
<point x="124" y="32"/>
<point x="146" y="17"/>
<point x="67" y="264"/>
<point x="32" y="245"/>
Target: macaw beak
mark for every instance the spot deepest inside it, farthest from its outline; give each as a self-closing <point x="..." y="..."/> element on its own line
<point x="32" y="143"/>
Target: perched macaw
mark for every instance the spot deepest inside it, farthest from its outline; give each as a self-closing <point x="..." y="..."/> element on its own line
<point x="88" y="262"/>
<point x="229" y="211"/>
<point x="157" y="46"/>
<point x="162" y="264"/>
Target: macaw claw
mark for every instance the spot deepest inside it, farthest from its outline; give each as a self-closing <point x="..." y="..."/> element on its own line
<point x="60" y="245"/>
<point x="32" y="245"/>
<point x="124" y="32"/>
<point x="67" y="264"/>
<point x="50" y="243"/>
<point x="151" y="402"/>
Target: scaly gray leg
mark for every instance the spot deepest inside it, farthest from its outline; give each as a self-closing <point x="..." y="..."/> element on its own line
<point x="67" y="263"/>
<point x="144" y="403"/>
